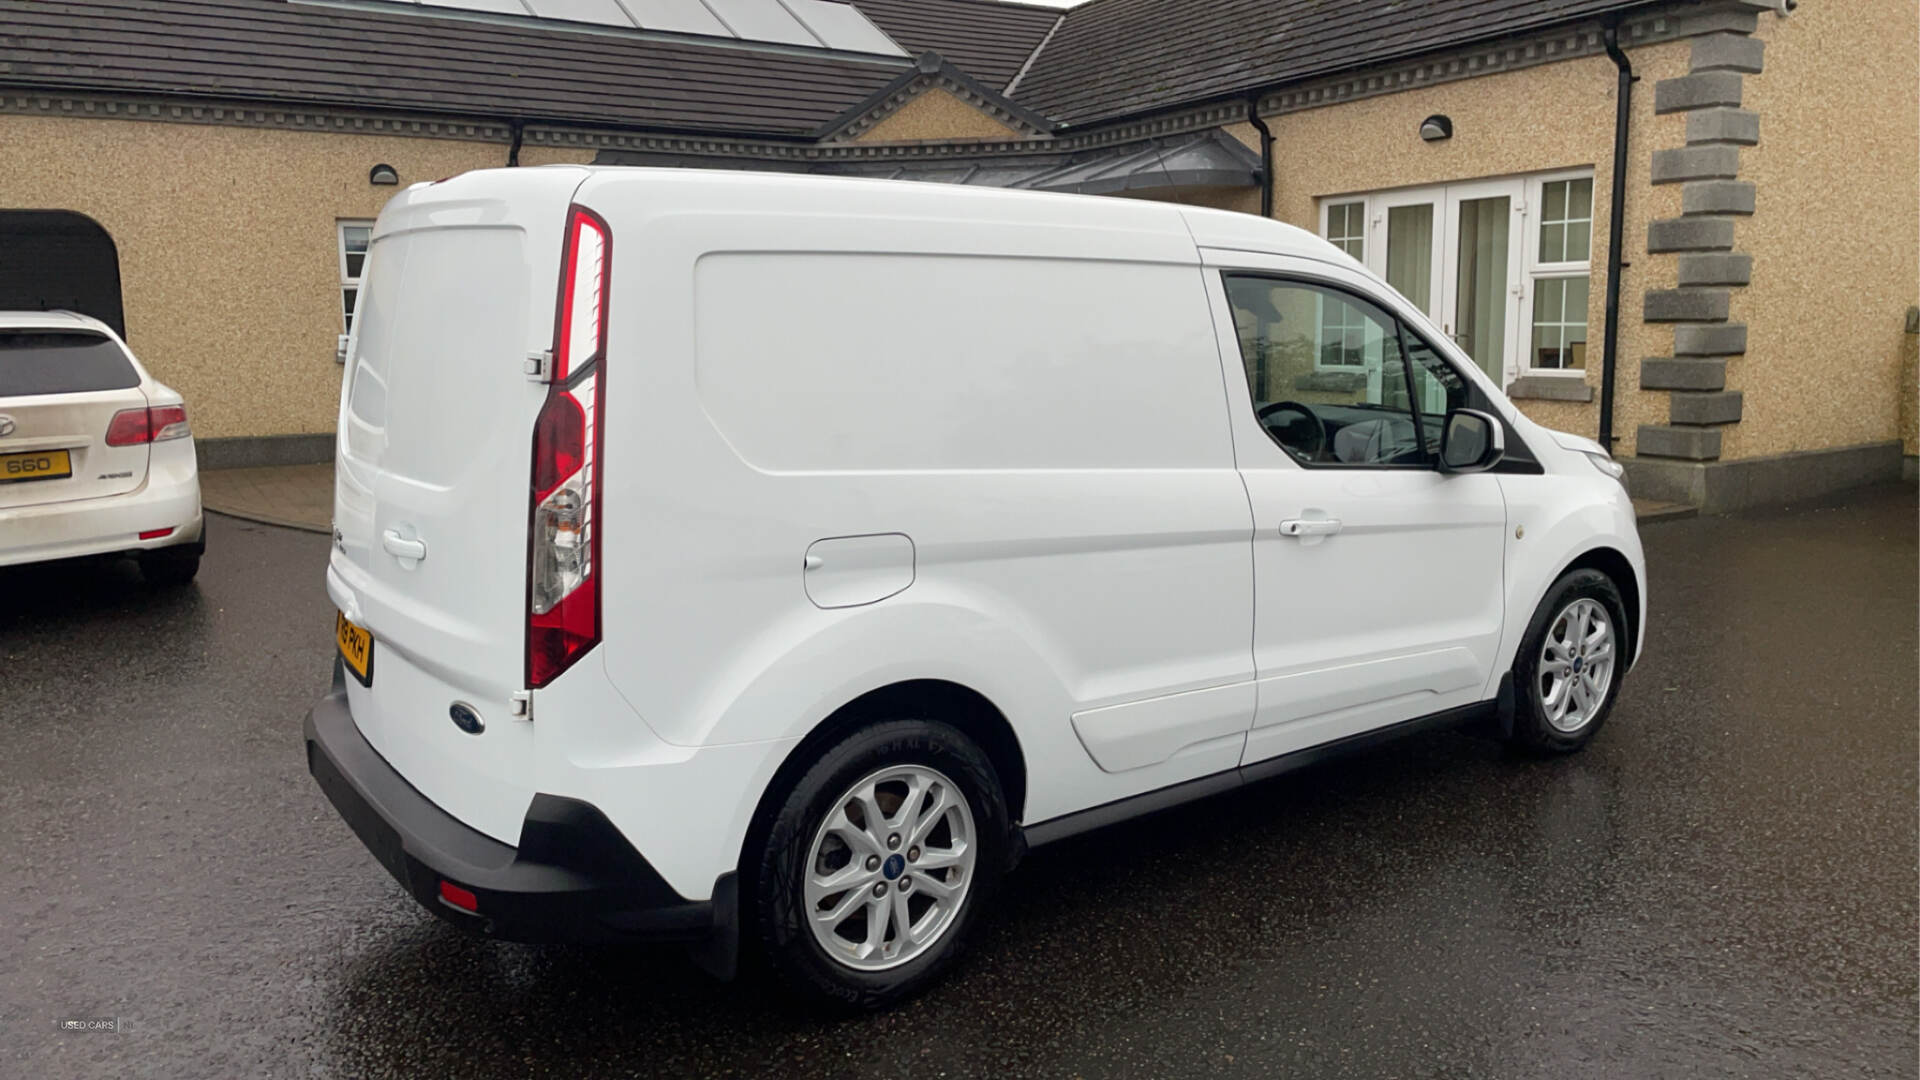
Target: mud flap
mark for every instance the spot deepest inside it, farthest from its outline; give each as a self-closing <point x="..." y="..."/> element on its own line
<point x="718" y="954"/>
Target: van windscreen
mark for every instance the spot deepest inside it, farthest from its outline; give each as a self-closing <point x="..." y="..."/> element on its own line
<point x="61" y="362"/>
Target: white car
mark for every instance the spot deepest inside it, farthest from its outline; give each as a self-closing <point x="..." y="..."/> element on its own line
<point x="96" y="457"/>
<point x="768" y="561"/>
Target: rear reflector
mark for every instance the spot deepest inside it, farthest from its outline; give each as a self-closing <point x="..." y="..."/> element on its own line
<point x="131" y="427"/>
<point x="459" y="897"/>
<point x="155" y="534"/>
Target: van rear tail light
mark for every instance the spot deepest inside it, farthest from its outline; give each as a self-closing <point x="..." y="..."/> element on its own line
<point x="563" y="539"/>
<point x="131" y="427"/>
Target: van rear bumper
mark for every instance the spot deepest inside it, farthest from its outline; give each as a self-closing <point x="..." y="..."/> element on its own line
<point x="574" y="877"/>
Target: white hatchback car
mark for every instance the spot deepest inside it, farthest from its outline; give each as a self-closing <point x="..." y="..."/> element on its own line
<point x="770" y="560"/>
<point x="96" y="457"/>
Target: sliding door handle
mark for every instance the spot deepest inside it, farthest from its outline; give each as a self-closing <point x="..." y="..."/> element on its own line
<point x="1309" y="526"/>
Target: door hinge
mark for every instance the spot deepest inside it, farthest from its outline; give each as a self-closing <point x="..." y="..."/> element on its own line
<point x="520" y="705"/>
<point x="539" y="366"/>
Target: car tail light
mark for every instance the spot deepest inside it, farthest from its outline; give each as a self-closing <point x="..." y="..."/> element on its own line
<point x="158" y="423"/>
<point x="563" y="541"/>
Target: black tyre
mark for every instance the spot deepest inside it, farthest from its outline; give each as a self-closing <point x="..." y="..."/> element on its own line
<point x="170" y="567"/>
<point x="1568" y="670"/>
<point x="876" y="863"/>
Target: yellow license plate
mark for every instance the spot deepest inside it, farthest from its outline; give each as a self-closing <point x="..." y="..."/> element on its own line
<point x="356" y="648"/>
<point x="38" y="465"/>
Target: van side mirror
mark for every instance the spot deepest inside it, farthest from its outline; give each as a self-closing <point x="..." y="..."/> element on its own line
<point x="1471" y="442"/>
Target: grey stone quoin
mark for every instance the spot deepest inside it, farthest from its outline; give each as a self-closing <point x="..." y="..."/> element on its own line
<point x="1712" y="198"/>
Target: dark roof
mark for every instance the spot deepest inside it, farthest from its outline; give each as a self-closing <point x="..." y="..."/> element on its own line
<point x="1107" y="59"/>
<point x="270" y="50"/>
<point x="988" y="40"/>
<point x="1119" y="57"/>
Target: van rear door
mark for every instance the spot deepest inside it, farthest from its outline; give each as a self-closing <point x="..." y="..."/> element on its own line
<point x="431" y="492"/>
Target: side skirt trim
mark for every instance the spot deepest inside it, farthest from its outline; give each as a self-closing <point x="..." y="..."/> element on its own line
<point x="1152" y="802"/>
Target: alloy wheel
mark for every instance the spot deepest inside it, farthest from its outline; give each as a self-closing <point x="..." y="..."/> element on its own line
<point x="1576" y="665"/>
<point x="890" y="867"/>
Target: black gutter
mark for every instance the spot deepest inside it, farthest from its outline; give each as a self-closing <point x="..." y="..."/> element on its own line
<point x="1266" y="155"/>
<point x="1616" y="228"/>
<point x="513" y="148"/>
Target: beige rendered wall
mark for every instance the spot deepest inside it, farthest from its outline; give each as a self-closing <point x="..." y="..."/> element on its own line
<point x="937" y="114"/>
<point x="1554" y="116"/>
<point x="1835" y="236"/>
<point x="228" y="261"/>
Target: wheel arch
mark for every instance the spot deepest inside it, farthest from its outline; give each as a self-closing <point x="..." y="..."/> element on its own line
<point x="1618" y="568"/>
<point x="950" y="702"/>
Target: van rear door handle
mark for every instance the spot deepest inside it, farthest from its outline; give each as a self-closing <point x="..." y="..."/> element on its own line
<point x="402" y="548"/>
<point x="1309" y="526"/>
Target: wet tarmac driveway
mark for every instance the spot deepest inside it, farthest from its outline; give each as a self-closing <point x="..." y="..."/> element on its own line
<point x="1723" y="885"/>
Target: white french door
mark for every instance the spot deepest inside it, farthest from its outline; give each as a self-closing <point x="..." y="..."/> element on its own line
<point x="1458" y="253"/>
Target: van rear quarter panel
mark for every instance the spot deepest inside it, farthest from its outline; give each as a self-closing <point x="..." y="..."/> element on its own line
<point x="1028" y="387"/>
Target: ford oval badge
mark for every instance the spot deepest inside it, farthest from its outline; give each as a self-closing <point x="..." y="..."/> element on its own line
<point x="466" y="719"/>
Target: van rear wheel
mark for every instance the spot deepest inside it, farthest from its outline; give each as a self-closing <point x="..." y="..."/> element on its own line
<point x="877" y="861"/>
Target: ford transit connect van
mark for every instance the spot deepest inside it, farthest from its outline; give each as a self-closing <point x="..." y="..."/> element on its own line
<point x="770" y="561"/>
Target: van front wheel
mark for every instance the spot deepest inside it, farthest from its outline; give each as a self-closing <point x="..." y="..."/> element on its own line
<point x="1569" y="665"/>
<point x="876" y="862"/>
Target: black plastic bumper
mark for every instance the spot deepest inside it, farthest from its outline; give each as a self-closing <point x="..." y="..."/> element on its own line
<point x="574" y="877"/>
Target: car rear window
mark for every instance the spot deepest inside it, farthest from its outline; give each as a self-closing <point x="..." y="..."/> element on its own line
<point x="61" y="362"/>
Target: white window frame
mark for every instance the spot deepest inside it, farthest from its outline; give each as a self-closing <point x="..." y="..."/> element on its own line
<point x="1530" y="208"/>
<point x="1537" y="270"/>
<point x="347" y="281"/>
<point x="1320" y="312"/>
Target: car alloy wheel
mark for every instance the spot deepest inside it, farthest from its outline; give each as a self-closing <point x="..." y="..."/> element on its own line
<point x="1576" y="665"/>
<point x="890" y="867"/>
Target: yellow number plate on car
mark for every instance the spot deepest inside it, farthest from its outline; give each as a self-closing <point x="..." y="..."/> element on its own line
<point x="39" y="465"/>
<point x="356" y="648"/>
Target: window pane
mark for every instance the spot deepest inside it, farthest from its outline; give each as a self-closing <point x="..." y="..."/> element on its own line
<point x="1555" y="196"/>
<point x="1553" y="243"/>
<point x="1325" y="372"/>
<point x="1576" y="305"/>
<point x="355" y="259"/>
<point x="61" y="362"/>
<point x="354" y="238"/>
<point x="1580" y="198"/>
<point x="1410" y="253"/>
<point x="1577" y="240"/>
<point x="1560" y="323"/>
<point x="1547" y="297"/>
<point x="1480" y="270"/>
<point x="346" y="308"/>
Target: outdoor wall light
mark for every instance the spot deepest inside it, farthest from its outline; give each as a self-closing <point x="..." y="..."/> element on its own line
<point x="1435" y="128"/>
<point x="383" y="174"/>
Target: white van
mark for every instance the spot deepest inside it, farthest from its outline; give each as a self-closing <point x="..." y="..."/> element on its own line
<point x="741" y="558"/>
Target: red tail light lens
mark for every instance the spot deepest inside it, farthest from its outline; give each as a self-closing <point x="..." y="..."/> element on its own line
<point x="563" y="540"/>
<point x="131" y="427"/>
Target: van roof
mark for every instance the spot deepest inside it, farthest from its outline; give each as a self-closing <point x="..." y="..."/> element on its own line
<point x="1206" y="227"/>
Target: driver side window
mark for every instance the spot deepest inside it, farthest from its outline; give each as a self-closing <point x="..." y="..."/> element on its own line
<point x="1326" y="373"/>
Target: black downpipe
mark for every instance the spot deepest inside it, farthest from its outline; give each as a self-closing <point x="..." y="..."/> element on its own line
<point x="1266" y="155"/>
<point x="1616" y="230"/>
<point x="513" y="148"/>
